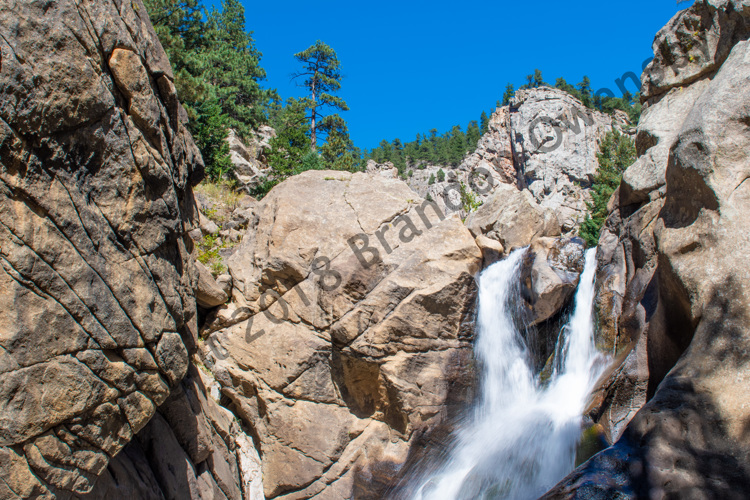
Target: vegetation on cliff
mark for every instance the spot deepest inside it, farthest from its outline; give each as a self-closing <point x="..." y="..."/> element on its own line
<point x="218" y="78"/>
<point x="616" y="153"/>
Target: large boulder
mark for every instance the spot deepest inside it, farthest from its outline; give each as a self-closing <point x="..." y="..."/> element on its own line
<point x="551" y="269"/>
<point x="512" y="218"/>
<point x="349" y="335"/>
<point x="678" y="258"/>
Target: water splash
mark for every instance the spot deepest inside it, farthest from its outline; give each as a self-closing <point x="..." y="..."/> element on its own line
<point x="522" y="437"/>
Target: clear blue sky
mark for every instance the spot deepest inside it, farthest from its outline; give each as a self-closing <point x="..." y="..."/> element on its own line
<point x="410" y="66"/>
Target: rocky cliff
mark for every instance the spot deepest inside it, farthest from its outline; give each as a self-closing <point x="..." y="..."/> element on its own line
<point x="673" y="280"/>
<point x="99" y="318"/>
<point x="545" y="142"/>
<point x="349" y="331"/>
<point x="338" y="342"/>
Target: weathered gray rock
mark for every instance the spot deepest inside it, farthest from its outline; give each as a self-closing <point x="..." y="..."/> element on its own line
<point x="546" y="142"/>
<point x="695" y="44"/>
<point x="340" y="357"/>
<point x="678" y="260"/>
<point x="387" y="169"/>
<point x="555" y="147"/>
<point x="248" y="156"/>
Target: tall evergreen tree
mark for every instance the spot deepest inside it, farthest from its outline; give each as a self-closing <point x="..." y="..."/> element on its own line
<point x="473" y="135"/>
<point x="584" y="87"/>
<point x="322" y="77"/>
<point x="231" y="63"/>
<point x="292" y="139"/>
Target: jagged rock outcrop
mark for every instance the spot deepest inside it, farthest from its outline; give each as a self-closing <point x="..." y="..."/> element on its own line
<point x="673" y="279"/>
<point x="555" y="140"/>
<point x="349" y="334"/>
<point x="250" y="165"/>
<point x="387" y="169"/>
<point x="546" y="141"/>
<point x="97" y="300"/>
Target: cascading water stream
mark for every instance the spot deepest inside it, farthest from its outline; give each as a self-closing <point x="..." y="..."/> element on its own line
<point x="522" y="437"/>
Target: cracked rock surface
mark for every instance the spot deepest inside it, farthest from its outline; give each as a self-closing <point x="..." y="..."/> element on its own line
<point x="96" y="283"/>
<point x="673" y="281"/>
<point x="340" y="368"/>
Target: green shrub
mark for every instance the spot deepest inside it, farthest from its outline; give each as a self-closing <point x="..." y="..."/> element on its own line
<point x="469" y="200"/>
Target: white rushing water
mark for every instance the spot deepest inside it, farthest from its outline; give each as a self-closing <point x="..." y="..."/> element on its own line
<point x="522" y="437"/>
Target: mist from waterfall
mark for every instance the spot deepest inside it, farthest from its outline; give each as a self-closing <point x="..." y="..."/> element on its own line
<point x="522" y="436"/>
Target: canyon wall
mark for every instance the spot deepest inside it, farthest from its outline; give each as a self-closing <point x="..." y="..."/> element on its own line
<point x="673" y="278"/>
<point x="545" y="142"/>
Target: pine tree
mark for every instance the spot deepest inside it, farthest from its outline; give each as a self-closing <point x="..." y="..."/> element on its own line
<point x="322" y="77"/>
<point x="338" y="151"/>
<point x="231" y="63"/>
<point x="616" y="153"/>
<point x="292" y="140"/>
<point x="584" y="87"/>
<point x="473" y="134"/>
<point x="217" y="73"/>
<point x="456" y="146"/>
<point x="538" y="80"/>
<point x="508" y="95"/>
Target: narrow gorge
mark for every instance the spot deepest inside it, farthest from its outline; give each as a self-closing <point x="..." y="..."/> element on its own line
<point x="364" y="333"/>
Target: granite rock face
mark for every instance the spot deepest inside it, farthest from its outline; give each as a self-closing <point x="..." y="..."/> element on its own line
<point x="98" y="283"/>
<point x="555" y="143"/>
<point x="249" y="156"/>
<point x="545" y="142"/>
<point x="673" y="279"/>
<point x="349" y="334"/>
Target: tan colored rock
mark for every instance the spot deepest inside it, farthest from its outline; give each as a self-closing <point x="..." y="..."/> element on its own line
<point x="208" y="293"/>
<point x="95" y="201"/>
<point x="387" y="169"/>
<point x="492" y="250"/>
<point x="512" y="218"/>
<point x="363" y="348"/>
<point x="550" y="274"/>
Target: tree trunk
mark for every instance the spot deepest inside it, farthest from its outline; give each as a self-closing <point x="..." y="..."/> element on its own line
<point x="313" y="132"/>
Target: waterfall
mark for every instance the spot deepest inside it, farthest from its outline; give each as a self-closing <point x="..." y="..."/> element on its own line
<point x="521" y="438"/>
